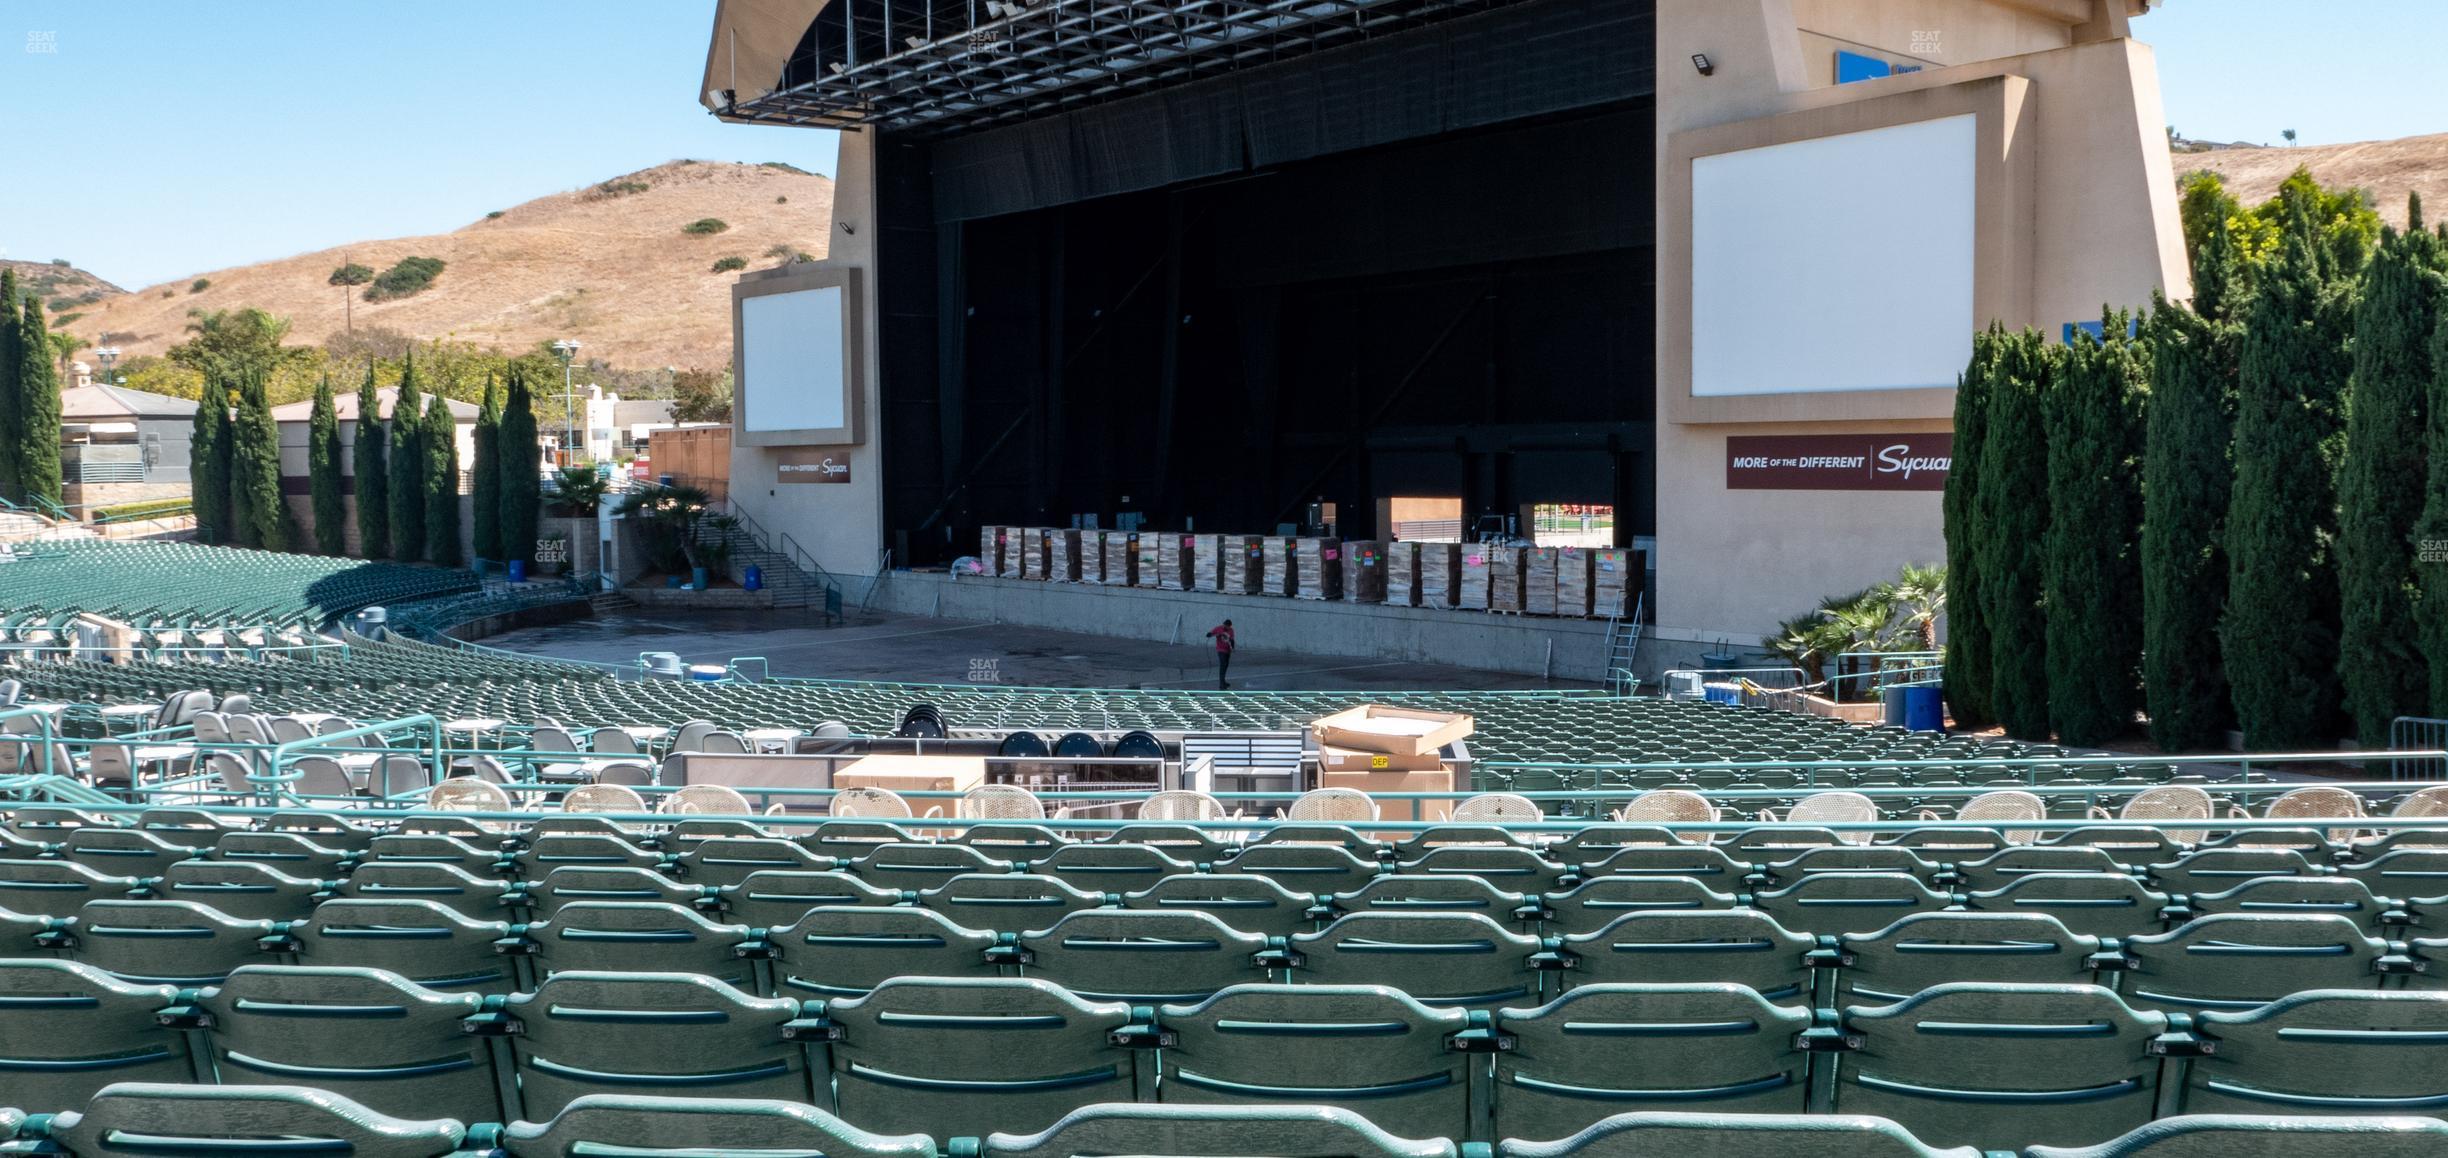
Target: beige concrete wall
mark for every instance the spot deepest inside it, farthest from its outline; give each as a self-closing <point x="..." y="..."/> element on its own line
<point x="2081" y="184"/>
<point x="840" y="524"/>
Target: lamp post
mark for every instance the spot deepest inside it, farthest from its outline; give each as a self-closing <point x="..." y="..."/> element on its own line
<point x="106" y="355"/>
<point x="567" y="348"/>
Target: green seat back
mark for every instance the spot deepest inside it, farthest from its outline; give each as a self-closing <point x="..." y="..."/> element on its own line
<point x="2232" y="1136"/>
<point x="167" y="942"/>
<point x="1928" y="949"/>
<point x="640" y="937"/>
<point x="247" y="890"/>
<point x="2341" y="896"/>
<point x="1007" y="901"/>
<point x="912" y="867"/>
<point x="1515" y="870"/>
<point x="2093" y="904"/>
<point x="573" y="883"/>
<point x="682" y="1034"/>
<point x="1998" y="1066"/>
<point x="56" y="888"/>
<point x="1834" y="903"/>
<point x="766" y="900"/>
<point x="1434" y="894"/>
<point x="1601" y="1050"/>
<point x="2404" y="872"/>
<point x="1319" y="869"/>
<point x="433" y="946"/>
<point x="1442" y="959"/>
<point x="1741" y="946"/>
<point x="843" y="950"/>
<point x="2216" y="870"/>
<point x="723" y="861"/>
<point x="122" y="852"/>
<point x="151" y="1120"/>
<point x="295" y="853"/>
<point x="961" y="1057"/>
<point x="2006" y="866"/>
<point x="1710" y="866"/>
<point x="1367" y="1048"/>
<point x="67" y="1030"/>
<point x="1590" y="905"/>
<point x="1252" y="904"/>
<point x="1282" y="1131"/>
<point x="418" y="848"/>
<point x="645" y="1126"/>
<point x="476" y="898"/>
<point x="1141" y="956"/>
<point x="1110" y="868"/>
<point x="557" y="850"/>
<point x="373" y="1037"/>
<point x="2325" y="1052"/>
<point x="1850" y="858"/>
<point x="1696" y="1135"/>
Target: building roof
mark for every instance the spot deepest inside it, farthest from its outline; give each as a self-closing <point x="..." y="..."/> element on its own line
<point x="630" y="412"/>
<point x="101" y="403"/>
<point x="345" y="405"/>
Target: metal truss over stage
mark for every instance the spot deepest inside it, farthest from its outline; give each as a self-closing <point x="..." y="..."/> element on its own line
<point x="952" y="66"/>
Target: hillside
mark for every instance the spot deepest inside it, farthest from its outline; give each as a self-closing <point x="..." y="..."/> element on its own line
<point x="607" y="265"/>
<point x="66" y="288"/>
<point x="2389" y="169"/>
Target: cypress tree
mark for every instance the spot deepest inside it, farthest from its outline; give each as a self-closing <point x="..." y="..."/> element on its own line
<point x="441" y="443"/>
<point x="408" y="468"/>
<point x="323" y="472"/>
<point x="2187" y="472"/>
<point x="255" y="458"/>
<point x="208" y="463"/>
<point x="12" y="404"/>
<point x="2380" y="661"/>
<point x="486" y="504"/>
<point x="1968" y="644"/>
<point x="237" y="471"/>
<point x="2092" y="571"/>
<point x="522" y="462"/>
<point x="2280" y="631"/>
<point x="37" y="432"/>
<point x="373" y="474"/>
<point x="2430" y="538"/>
<point x="2013" y="496"/>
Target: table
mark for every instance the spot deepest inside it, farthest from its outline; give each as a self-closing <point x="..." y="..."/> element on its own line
<point x="771" y="739"/>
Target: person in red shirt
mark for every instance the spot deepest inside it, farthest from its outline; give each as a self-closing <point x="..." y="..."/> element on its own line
<point x="1223" y="635"/>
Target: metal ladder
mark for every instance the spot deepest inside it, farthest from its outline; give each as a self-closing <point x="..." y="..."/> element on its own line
<point x="1623" y="647"/>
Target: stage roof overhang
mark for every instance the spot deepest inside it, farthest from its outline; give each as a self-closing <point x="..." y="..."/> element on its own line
<point x="945" y="66"/>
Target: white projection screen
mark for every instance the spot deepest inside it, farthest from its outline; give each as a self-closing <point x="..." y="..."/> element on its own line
<point x="1835" y="263"/>
<point x="791" y="361"/>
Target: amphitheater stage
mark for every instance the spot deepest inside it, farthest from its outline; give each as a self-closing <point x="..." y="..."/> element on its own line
<point x="883" y="645"/>
<point x="1527" y="645"/>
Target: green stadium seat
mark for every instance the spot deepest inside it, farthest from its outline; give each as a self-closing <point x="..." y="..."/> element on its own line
<point x="2246" y="1136"/>
<point x="1434" y="894"/>
<point x="422" y="848"/>
<point x="1441" y="959"/>
<point x="559" y="850"/>
<point x="374" y="1037"/>
<point x="640" y="1126"/>
<point x="1588" y="906"/>
<point x="765" y="900"/>
<point x="1517" y="870"/>
<point x="1006" y="900"/>
<point x="1689" y="1135"/>
<point x="1850" y="859"/>
<point x="167" y="942"/>
<point x="837" y="951"/>
<point x="1601" y="1050"/>
<point x="1930" y="949"/>
<point x="2405" y="872"/>
<point x="958" y="1058"/>
<point x="583" y="1032"/>
<point x="1834" y="903"/>
<point x="247" y="890"/>
<point x="1366" y="1048"/>
<point x="2237" y="961"/>
<point x="1110" y="868"/>
<point x="1250" y="903"/>
<point x="1142" y="957"/>
<point x="122" y="852"/>
<point x="1156" y="1130"/>
<point x="2092" y="904"/>
<point x="912" y="867"/>
<point x="1997" y="1066"/>
<point x="724" y="861"/>
<point x="1710" y="866"/>
<point x="67" y="1030"/>
<point x="641" y="936"/>
<point x="57" y="888"/>
<point x="2279" y="896"/>
<point x="572" y="884"/>
<point x="1317" y="869"/>
<point x="2325" y="1052"/>
<point x="435" y="947"/>
<point x="2215" y="870"/>
<point x="2006" y="866"/>
<point x="294" y="853"/>
<point x="479" y="899"/>
<point x="1738" y="946"/>
<point x="154" y="1120"/>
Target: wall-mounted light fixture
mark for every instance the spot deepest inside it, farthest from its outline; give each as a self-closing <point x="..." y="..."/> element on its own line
<point x="1706" y="66"/>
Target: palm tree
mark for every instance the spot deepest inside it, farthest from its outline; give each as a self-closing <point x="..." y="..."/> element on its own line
<point x="578" y="491"/>
<point x="1920" y="596"/>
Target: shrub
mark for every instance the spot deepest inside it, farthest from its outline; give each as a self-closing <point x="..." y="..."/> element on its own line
<point x="201" y="284"/>
<point x="705" y="226"/>
<point x="148" y="509"/>
<point x="60" y="262"/>
<point x="406" y="278"/>
<point x="611" y="189"/>
<point x="64" y="319"/>
<point x="785" y="166"/>
<point x="494" y="214"/>
<point x="169" y="292"/>
<point x="727" y="264"/>
<point x="350" y="274"/>
<point x="61" y="304"/>
<point x="781" y="200"/>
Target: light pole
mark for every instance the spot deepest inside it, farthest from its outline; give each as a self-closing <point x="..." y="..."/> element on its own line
<point x="106" y="355"/>
<point x="567" y="348"/>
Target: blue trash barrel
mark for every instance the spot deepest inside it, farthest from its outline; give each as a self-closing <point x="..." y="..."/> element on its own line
<point x="518" y="570"/>
<point x="1924" y="708"/>
<point x="753" y="578"/>
<point x="1891" y="704"/>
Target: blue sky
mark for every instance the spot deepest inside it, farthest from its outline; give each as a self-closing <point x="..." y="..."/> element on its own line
<point x="179" y="136"/>
<point x="166" y="138"/>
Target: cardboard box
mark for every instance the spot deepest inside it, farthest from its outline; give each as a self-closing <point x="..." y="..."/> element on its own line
<point x="1240" y="563"/>
<point x="1473" y="594"/>
<point x="1277" y="575"/>
<point x="1033" y="552"/>
<point x="1318" y="567"/>
<point x="1013" y="547"/>
<point x="1575" y="575"/>
<point x="1393" y="731"/>
<point x="913" y="773"/>
<point x="1205" y="571"/>
<point x="1440" y="575"/>
<point x="990" y="550"/>
<point x="1538" y="582"/>
<point x="1374" y="783"/>
<point x="1402" y="574"/>
<point x="1176" y="560"/>
<point x="1336" y="759"/>
<point x="1617" y="587"/>
<point x="1505" y="568"/>
<point x="1063" y="555"/>
<point x="1121" y="558"/>
<point x="1364" y="571"/>
<point x="1149" y="549"/>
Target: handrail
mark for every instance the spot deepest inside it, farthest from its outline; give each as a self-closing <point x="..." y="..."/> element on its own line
<point x="283" y="753"/>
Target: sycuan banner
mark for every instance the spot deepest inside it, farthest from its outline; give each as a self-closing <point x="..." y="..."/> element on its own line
<point x="1838" y="462"/>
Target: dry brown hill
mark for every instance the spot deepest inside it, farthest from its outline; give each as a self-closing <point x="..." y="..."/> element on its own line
<point x="608" y="265"/>
<point x="2389" y="169"/>
<point x="65" y="288"/>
